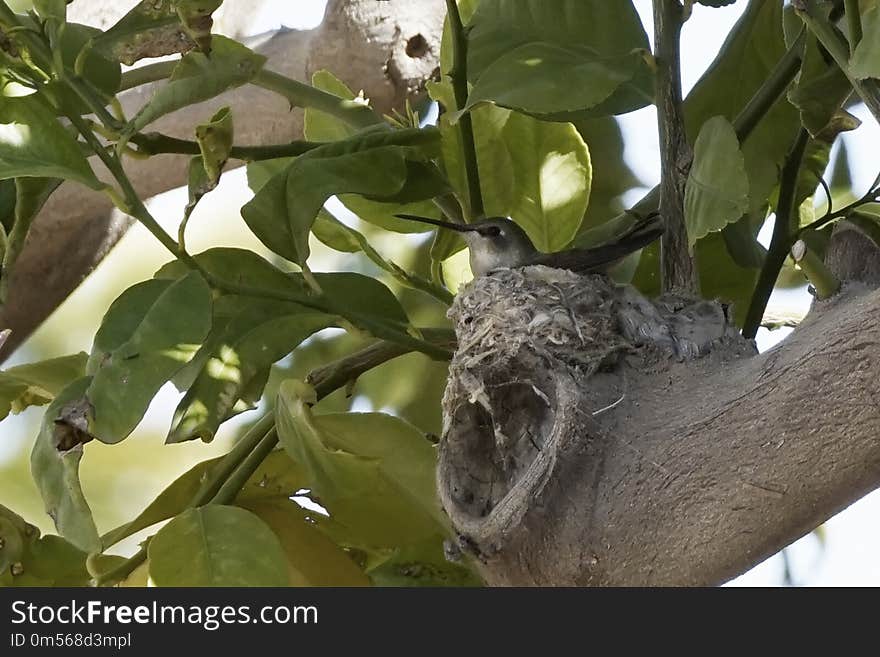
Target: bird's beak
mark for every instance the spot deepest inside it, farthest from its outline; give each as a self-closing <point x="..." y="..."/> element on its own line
<point x="461" y="228"/>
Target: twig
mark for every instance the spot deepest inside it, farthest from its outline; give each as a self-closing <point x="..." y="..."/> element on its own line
<point x="782" y="238"/>
<point x="677" y="267"/>
<point x="458" y="74"/>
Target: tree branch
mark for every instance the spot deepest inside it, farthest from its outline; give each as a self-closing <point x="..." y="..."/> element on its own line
<point x="677" y="267"/>
<point x="670" y="454"/>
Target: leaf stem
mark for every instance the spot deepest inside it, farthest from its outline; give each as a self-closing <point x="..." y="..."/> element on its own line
<point x="824" y="282"/>
<point x="458" y="75"/>
<point x="781" y="241"/>
<point x="299" y="94"/>
<point x="678" y="270"/>
<point x="142" y="75"/>
<point x="154" y="143"/>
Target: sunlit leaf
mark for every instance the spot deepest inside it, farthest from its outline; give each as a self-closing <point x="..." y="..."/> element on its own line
<point x="607" y="30"/>
<point x="36" y="384"/>
<point x="262" y="333"/>
<point x="217" y="545"/>
<point x="717" y="191"/>
<point x="161" y="343"/>
<point x="545" y="79"/>
<point x="33" y="143"/>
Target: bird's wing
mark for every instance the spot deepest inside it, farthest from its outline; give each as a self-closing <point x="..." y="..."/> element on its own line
<point x="600" y="258"/>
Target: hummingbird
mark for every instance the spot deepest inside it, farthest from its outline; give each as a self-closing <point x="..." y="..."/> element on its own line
<point x="499" y="243"/>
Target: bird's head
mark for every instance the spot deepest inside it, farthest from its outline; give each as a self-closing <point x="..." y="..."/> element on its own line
<point x="494" y="243"/>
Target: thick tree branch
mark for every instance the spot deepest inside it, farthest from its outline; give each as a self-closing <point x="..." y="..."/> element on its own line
<point x="77" y="228"/>
<point x="677" y="267"/>
<point x="629" y="442"/>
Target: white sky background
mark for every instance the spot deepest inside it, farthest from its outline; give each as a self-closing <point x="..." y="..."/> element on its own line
<point x="853" y="538"/>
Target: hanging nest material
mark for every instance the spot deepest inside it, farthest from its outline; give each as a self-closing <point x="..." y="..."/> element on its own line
<point x="542" y="373"/>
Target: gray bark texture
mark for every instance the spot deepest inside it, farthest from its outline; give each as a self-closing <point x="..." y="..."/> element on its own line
<point x="594" y="437"/>
<point x="388" y="49"/>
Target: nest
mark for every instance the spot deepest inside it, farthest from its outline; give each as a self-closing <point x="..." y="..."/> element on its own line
<point x="522" y="384"/>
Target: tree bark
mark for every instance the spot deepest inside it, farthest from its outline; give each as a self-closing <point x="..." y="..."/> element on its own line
<point x="388" y="49"/>
<point x="593" y="437"/>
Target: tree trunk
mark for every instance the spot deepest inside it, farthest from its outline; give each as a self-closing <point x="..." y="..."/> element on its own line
<point x="593" y="437"/>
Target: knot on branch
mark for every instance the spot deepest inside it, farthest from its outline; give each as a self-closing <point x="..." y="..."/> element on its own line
<point x="540" y="372"/>
<point x="853" y="256"/>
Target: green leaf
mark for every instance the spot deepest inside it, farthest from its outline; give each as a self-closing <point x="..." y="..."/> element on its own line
<point x="215" y="140"/>
<point x="537" y="172"/>
<point x="33" y="143"/>
<point x="865" y="60"/>
<point x="36" y="384"/>
<point x="608" y="30"/>
<point x="320" y="126"/>
<point x="717" y="190"/>
<point x="217" y="545"/>
<point x="152" y="28"/>
<point x="364" y="301"/>
<point x="821" y="88"/>
<point x="51" y="9"/>
<point x="545" y="79"/>
<point x="282" y="212"/>
<point x="277" y="476"/>
<point x="234" y="266"/>
<point x="262" y="333"/>
<point x="55" y="467"/>
<point x="752" y="49"/>
<point x="611" y="175"/>
<point x="160" y="344"/>
<point x="197" y="78"/>
<point x="30" y="195"/>
<point x="313" y="559"/>
<point x="423" y="564"/>
<point x="27" y="559"/>
<point x="374" y="473"/>
<point x="103" y="73"/>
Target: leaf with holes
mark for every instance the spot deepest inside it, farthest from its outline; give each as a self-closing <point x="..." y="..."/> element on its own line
<point x="55" y="466"/>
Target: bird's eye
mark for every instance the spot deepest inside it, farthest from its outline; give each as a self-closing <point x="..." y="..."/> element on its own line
<point x="492" y="231"/>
